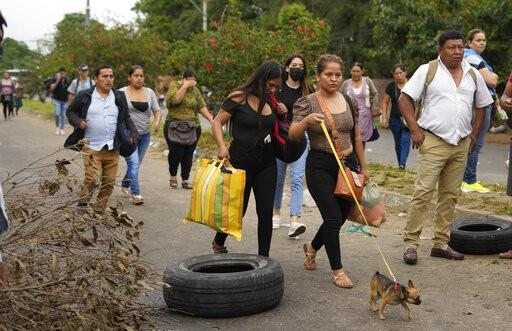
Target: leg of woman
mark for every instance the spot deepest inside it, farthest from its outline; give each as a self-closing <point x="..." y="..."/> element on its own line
<point x="143" y="144"/>
<point x="169" y="159"/>
<point x="405" y="142"/>
<point x="188" y="157"/>
<point x="278" y="197"/>
<point x="472" y="163"/>
<point x="64" y="107"/>
<point x="56" y="115"/>
<point x="4" y="105"/>
<point x="396" y="129"/>
<point x="264" y="186"/>
<point x="297" y="169"/>
<point x="132" y="162"/>
<point x="11" y="107"/>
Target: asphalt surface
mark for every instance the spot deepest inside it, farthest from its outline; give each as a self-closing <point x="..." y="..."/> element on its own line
<point x="471" y="294"/>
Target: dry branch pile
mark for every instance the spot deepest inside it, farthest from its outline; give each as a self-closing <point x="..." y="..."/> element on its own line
<point x="68" y="267"/>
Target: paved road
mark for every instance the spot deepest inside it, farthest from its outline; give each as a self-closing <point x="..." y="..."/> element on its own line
<point x="456" y="295"/>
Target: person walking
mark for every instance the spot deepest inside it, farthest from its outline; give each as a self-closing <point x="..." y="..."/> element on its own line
<point x="142" y="102"/>
<point x="98" y="114"/>
<point x="18" y="97"/>
<point x="251" y="119"/>
<point x="444" y="135"/>
<point x="294" y="77"/>
<point x="59" y="89"/>
<point x="393" y="121"/>
<point x="477" y="42"/>
<point x="182" y="129"/>
<point x="321" y="165"/>
<point x="6" y="95"/>
<point x="363" y="91"/>
<point x="83" y="82"/>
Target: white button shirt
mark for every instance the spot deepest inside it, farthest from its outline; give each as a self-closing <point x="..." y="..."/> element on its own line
<point x="448" y="109"/>
<point x="101" y="121"/>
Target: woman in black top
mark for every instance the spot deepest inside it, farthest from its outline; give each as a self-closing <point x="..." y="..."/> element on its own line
<point x="252" y="121"/>
<point x="401" y="134"/>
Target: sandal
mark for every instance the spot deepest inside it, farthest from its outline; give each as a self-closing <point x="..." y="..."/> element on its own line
<point x="218" y="249"/>
<point x="506" y="255"/>
<point x="126" y="192"/>
<point x="186" y="185"/>
<point x="173" y="183"/>
<point x="137" y="200"/>
<point x="309" y="261"/>
<point x="341" y="279"/>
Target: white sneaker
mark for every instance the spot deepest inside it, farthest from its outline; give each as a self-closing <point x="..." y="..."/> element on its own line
<point x="62" y="132"/>
<point x="57" y="131"/>
<point x="296" y="229"/>
<point x="276" y="222"/>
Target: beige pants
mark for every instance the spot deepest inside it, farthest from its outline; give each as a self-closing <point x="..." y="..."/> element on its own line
<point x="443" y="164"/>
<point x="100" y="171"/>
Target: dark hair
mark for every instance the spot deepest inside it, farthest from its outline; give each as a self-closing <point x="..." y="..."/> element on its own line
<point x="471" y="35"/>
<point x="400" y="66"/>
<point x="61" y="69"/>
<point x="325" y="59"/>
<point x="449" y="35"/>
<point x="304" y="79"/>
<point x="357" y="64"/>
<point x="133" y="68"/>
<point x="257" y="83"/>
<point x="189" y="73"/>
<point x="103" y="66"/>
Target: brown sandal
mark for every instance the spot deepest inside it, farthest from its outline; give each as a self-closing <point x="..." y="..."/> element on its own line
<point x="309" y="261"/>
<point x="218" y="249"/>
<point x="341" y="279"/>
<point x="173" y="183"/>
<point x="186" y="185"/>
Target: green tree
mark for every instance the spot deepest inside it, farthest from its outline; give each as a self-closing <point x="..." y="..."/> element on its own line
<point x="16" y="55"/>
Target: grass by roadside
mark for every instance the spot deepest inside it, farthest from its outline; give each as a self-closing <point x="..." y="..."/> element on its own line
<point x="46" y="109"/>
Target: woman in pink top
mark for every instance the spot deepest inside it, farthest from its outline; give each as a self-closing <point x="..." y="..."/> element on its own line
<point x="7" y="90"/>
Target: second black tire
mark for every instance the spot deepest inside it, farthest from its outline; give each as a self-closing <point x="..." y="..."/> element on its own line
<point x="224" y="285"/>
<point x="481" y="236"/>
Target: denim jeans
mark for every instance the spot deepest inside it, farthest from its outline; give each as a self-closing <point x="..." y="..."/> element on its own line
<point x="402" y="137"/>
<point x="133" y="162"/>
<point x="296" y="179"/>
<point x="470" y="172"/>
<point x="60" y="113"/>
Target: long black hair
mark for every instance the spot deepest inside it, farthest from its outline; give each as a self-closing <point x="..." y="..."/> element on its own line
<point x="303" y="81"/>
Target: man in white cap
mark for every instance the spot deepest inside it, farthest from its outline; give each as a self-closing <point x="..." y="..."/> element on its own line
<point x="83" y="82"/>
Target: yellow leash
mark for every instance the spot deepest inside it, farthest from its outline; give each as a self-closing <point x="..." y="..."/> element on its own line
<point x="324" y="128"/>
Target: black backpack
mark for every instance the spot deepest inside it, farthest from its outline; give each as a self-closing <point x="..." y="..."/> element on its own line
<point x="47" y="84"/>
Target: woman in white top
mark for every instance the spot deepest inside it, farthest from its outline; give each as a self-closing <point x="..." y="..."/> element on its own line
<point x="142" y="102"/>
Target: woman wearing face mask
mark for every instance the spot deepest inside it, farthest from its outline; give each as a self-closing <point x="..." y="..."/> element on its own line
<point x="294" y="86"/>
<point x="362" y="89"/>
<point x="401" y="133"/>
<point x="473" y="54"/>
<point x="248" y="110"/>
<point x="142" y="102"/>
<point x="321" y="165"/>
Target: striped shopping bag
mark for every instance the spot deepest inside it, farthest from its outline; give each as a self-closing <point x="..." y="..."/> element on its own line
<point x="218" y="197"/>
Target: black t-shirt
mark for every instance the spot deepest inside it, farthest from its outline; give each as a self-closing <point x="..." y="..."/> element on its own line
<point x="394" y="93"/>
<point x="244" y="121"/>
<point x="61" y="90"/>
<point x="288" y="95"/>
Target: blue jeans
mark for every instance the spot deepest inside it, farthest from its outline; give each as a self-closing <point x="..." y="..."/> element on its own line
<point x="402" y="137"/>
<point x="60" y="113"/>
<point x="133" y="162"/>
<point x="471" y="165"/>
<point x="297" y="169"/>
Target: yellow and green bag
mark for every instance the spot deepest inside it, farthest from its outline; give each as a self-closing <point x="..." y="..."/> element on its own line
<point x="218" y="197"/>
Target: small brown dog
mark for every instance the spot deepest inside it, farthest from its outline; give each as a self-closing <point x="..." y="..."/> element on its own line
<point x="384" y="288"/>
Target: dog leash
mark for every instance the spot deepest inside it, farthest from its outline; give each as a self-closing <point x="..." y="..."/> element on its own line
<point x="326" y="133"/>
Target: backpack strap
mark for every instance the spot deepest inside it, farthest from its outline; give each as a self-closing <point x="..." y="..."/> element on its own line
<point x="431" y="73"/>
<point x="76" y="86"/>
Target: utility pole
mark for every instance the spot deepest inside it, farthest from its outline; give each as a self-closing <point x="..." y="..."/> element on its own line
<point x="203" y="11"/>
<point x="87" y="14"/>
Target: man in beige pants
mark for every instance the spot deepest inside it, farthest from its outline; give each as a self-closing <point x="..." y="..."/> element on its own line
<point x="444" y="135"/>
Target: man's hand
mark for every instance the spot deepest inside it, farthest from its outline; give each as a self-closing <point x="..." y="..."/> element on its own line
<point x="83" y="125"/>
<point x="417" y="137"/>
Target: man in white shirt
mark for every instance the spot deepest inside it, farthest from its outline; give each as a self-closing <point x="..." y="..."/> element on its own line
<point x="83" y="82"/>
<point x="444" y="135"/>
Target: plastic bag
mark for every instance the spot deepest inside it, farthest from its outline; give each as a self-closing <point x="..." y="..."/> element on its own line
<point x="373" y="207"/>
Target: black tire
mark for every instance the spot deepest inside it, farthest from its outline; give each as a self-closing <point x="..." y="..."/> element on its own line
<point x="481" y="236"/>
<point x="224" y="285"/>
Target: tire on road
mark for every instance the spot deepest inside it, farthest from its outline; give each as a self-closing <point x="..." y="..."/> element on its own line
<point x="223" y="285"/>
<point x="481" y="236"/>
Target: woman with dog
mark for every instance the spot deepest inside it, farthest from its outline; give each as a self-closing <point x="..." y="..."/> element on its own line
<point x="321" y="166"/>
<point x="251" y="120"/>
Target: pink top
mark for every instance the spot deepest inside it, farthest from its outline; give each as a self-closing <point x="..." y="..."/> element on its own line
<point x="7" y="87"/>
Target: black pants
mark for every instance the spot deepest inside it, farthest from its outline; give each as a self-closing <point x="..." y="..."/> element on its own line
<point x="8" y="105"/>
<point x="180" y="154"/>
<point x="321" y="174"/>
<point x="260" y="175"/>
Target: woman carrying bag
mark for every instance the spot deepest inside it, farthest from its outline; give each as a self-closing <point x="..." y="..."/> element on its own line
<point x="321" y="166"/>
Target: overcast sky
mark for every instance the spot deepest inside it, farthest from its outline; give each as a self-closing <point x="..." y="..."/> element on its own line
<point x="30" y="20"/>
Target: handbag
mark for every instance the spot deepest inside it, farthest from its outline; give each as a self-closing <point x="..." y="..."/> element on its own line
<point x="285" y="149"/>
<point x="217" y="199"/>
<point x="354" y="179"/>
<point x="126" y="148"/>
<point x="182" y="132"/>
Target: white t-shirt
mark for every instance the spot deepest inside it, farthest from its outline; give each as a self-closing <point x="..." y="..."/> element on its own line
<point x="82" y="85"/>
<point x="448" y="109"/>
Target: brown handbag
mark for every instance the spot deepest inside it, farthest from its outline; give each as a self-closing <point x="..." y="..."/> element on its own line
<point x="355" y="180"/>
